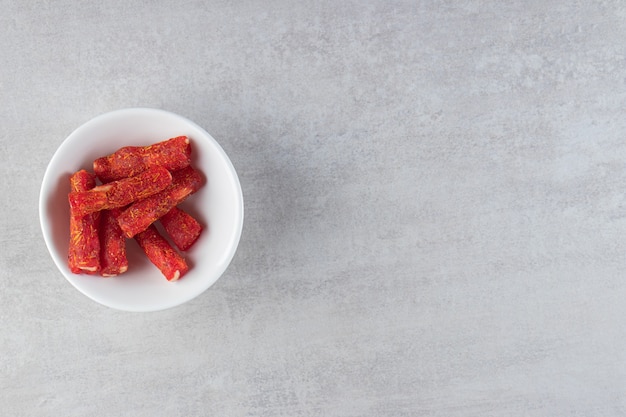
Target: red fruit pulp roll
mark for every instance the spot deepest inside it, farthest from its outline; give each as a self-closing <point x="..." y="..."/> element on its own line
<point x="172" y="154"/>
<point x="84" y="246"/>
<point x="143" y="213"/>
<point x="161" y="254"/>
<point x="113" y="245"/>
<point x="181" y="227"/>
<point x="121" y="192"/>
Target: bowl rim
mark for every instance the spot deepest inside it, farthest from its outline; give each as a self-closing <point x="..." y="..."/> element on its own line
<point x="47" y="177"/>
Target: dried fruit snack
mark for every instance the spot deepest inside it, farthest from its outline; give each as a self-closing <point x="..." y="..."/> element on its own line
<point x="146" y="189"/>
<point x="172" y="154"/>
<point x="181" y="227"/>
<point x="143" y="213"/>
<point x="161" y="254"/>
<point x="121" y="192"/>
<point x="84" y="246"/>
<point x="113" y="245"/>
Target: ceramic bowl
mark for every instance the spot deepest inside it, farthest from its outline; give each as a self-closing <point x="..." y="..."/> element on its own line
<point x="218" y="206"/>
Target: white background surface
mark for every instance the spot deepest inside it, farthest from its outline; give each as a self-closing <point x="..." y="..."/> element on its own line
<point x="435" y="214"/>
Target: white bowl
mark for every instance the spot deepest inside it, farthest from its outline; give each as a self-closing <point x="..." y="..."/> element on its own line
<point x="218" y="206"/>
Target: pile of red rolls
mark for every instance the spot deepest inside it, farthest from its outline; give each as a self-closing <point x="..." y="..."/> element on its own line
<point x="138" y="187"/>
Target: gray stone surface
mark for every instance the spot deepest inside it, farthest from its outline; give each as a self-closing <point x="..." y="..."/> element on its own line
<point x="435" y="211"/>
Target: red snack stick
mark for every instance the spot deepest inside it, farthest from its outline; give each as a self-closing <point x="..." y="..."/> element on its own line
<point x="143" y="213"/>
<point x="120" y="193"/>
<point x="161" y="254"/>
<point x="113" y="245"/>
<point x="84" y="247"/>
<point x="173" y="154"/>
<point x="181" y="227"/>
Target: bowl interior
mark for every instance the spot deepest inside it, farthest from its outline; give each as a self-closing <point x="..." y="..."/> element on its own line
<point x="218" y="206"/>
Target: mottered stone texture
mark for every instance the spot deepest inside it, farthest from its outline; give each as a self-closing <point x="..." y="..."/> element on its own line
<point x="435" y="216"/>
